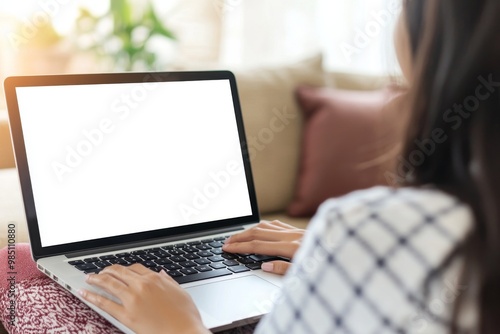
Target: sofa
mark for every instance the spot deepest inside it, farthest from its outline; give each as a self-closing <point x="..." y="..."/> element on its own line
<point x="266" y="95"/>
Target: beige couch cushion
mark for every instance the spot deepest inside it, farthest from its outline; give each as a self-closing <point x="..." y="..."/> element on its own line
<point x="6" y="154"/>
<point x="273" y="125"/>
<point x="11" y="206"/>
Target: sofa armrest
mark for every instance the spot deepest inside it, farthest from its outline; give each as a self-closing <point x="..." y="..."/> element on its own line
<point x="6" y="152"/>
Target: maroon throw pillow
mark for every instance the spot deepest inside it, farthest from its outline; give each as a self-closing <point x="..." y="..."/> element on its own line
<point x="345" y="133"/>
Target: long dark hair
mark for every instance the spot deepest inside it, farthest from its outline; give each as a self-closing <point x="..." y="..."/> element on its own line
<point x="455" y="96"/>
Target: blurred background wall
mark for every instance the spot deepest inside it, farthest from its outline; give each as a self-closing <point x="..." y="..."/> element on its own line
<point x="68" y="36"/>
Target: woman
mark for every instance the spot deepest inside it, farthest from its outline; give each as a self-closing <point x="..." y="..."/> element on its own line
<point x="425" y="257"/>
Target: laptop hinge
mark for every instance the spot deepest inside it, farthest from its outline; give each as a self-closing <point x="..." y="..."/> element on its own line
<point x="152" y="242"/>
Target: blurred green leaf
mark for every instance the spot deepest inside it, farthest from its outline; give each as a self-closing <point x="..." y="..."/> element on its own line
<point x="125" y="17"/>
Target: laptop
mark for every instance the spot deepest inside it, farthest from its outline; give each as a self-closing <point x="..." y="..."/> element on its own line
<point x="149" y="168"/>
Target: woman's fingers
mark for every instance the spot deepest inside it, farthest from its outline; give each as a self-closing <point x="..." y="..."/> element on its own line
<point x="138" y="269"/>
<point x="268" y="238"/>
<point x="103" y="303"/>
<point x="281" y="225"/>
<point x="276" y="267"/>
<point x="264" y="224"/>
<point x="150" y="302"/>
<point x="116" y="279"/>
<point x="108" y="282"/>
<point x="276" y="248"/>
<point x="258" y="233"/>
<point x="270" y="225"/>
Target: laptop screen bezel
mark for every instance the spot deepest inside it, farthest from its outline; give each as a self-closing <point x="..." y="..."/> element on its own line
<point x="38" y="251"/>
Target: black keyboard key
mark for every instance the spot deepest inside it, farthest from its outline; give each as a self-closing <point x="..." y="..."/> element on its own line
<point x="238" y="269"/>
<point x="205" y="253"/>
<point x="161" y="262"/>
<point x="190" y="256"/>
<point x="192" y="243"/>
<point x="229" y="256"/>
<point x="173" y="266"/>
<point x="245" y="260"/>
<point x="187" y="264"/>
<point x="102" y="264"/>
<point x="176" y="252"/>
<point x="126" y="254"/>
<point x="254" y="266"/>
<point x="202" y="276"/>
<point x="203" y="247"/>
<point x="220" y="238"/>
<point x="162" y="254"/>
<point x="153" y="250"/>
<point x="216" y="258"/>
<point x="117" y="261"/>
<point x="148" y="264"/>
<point x="147" y="257"/>
<point x="139" y="252"/>
<point x="215" y="244"/>
<point x="190" y="249"/>
<point x="203" y="268"/>
<point x="230" y="263"/>
<point x="180" y="245"/>
<point x="177" y="259"/>
<point x="92" y="271"/>
<point x="157" y="269"/>
<point x="188" y="271"/>
<point x="75" y="262"/>
<point x="207" y="241"/>
<point x="86" y="266"/>
<point x="217" y="251"/>
<point x="107" y="257"/>
<point x="202" y="261"/>
<point x="217" y="265"/>
<point x="168" y="247"/>
<point x="91" y="259"/>
<point x="132" y="259"/>
<point x="174" y="273"/>
<point x="263" y="258"/>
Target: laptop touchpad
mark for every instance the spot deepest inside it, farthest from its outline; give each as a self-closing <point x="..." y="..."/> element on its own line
<point x="234" y="299"/>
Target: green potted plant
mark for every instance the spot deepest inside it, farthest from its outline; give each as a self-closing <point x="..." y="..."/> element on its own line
<point x="122" y="35"/>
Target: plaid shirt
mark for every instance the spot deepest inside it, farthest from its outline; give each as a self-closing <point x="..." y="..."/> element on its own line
<point x="363" y="263"/>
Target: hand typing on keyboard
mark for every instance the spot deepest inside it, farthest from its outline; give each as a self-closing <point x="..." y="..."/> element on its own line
<point x="150" y="302"/>
<point x="268" y="239"/>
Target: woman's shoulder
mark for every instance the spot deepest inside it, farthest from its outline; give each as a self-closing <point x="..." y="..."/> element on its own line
<point x="400" y="210"/>
<point x="384" y="221"/>
<point x="387" y="197"/>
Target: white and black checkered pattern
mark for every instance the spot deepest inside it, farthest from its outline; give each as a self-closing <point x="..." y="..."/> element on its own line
<point x="363" y="262"/>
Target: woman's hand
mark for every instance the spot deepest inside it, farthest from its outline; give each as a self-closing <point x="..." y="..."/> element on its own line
<point x="151" y="302"/>
<point x="268" y="238"/>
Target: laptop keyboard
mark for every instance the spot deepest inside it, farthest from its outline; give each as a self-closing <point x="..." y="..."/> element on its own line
<point x="184" y="262"/>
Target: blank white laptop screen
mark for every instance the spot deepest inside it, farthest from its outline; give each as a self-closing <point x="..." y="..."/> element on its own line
<point x="114" y="159"/>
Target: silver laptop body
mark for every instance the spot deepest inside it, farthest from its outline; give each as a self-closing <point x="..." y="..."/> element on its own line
<point x="134" y="162"/>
